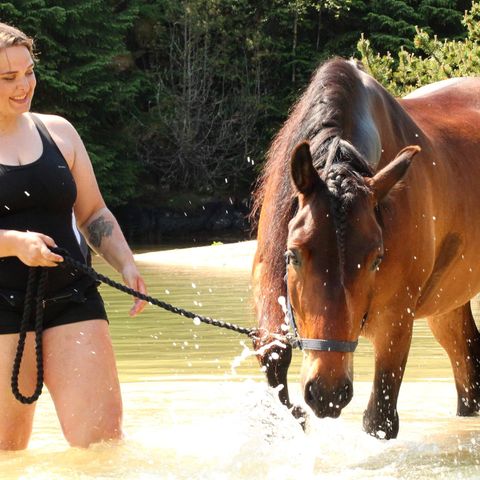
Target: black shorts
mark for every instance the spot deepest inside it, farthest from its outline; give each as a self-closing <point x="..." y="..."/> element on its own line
<point x="70" y="306"/>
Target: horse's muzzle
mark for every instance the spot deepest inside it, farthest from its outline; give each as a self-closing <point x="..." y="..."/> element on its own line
<point x="325" y="401"/>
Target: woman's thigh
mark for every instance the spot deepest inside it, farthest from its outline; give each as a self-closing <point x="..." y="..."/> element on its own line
<point x="81" y="375"/>
<point x="16" y="418"/>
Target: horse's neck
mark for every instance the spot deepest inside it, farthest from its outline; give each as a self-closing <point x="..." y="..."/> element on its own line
<point x="380" y="127"/>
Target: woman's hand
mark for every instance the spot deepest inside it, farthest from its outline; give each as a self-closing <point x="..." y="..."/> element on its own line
<point x="32" y="249"/>
<point x="133" y="279"/>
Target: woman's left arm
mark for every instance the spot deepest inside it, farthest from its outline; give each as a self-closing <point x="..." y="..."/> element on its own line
<point x="98" y="224"/>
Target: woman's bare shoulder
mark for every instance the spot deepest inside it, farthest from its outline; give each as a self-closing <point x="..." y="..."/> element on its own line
<point x="56" y="123"/>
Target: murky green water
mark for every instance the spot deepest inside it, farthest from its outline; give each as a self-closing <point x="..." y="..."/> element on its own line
<point x="195" y="409"/>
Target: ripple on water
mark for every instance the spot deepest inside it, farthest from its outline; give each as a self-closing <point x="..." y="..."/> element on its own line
<point x="235" y="429"/>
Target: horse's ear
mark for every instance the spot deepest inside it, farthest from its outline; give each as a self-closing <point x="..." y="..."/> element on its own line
<point x="388" y="176"/>
<point x="303" y="173"/>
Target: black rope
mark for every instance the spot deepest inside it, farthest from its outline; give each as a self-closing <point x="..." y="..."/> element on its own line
<point x="154" y="301"/>
<point x="36" y="286"/>
<point x="68" y="260"/>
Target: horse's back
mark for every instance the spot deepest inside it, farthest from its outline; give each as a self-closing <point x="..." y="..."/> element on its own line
<point x="436" y="87"/>
<point x="459" y="93"/>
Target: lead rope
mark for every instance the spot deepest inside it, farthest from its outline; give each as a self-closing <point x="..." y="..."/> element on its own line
<point x="37" y="280"/>
<point x="153" y="301"/>
<point x="68" y="260"/>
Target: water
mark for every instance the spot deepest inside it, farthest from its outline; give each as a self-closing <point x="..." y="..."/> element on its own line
<point x="190" y="415"/>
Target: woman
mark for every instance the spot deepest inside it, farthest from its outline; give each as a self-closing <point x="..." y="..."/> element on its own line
<point x="45" y="175"/>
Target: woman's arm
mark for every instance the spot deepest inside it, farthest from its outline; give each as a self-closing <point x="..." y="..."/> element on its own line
<point x="104" y="235"/>
<point x="94" y="219"/>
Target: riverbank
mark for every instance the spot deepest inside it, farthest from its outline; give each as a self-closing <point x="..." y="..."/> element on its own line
<point x="184" y="219"/>
<point x="237" y="255"/>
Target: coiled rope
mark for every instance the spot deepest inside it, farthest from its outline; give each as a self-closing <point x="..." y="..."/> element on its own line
<point x="36" y="287"/>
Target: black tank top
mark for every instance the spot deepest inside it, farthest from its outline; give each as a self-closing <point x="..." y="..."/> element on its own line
<point x="39" y="197"/>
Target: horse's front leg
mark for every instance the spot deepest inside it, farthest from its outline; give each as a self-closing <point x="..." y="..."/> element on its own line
<point x="275" y="357"/>
<point x="391" y="341"/>
<point x="458" y="334"/>
<point x="273" y="352"/>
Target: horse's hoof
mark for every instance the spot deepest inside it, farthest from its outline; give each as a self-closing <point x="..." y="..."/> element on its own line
<point x="468" y="407"/>
<point x="300" y="415"/>
<point x="381" y="428"/>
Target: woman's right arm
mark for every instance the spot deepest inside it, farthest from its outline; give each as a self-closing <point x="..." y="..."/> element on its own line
<point x="31" y="248"/>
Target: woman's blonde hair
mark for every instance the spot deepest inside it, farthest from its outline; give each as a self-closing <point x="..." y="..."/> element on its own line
<point x="12" y="37"/>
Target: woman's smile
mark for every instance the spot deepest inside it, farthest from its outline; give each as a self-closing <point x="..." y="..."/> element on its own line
<point x="21" y="99"/>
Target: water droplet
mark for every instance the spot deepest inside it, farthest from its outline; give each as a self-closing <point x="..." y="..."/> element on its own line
<point x="196" y="321"/>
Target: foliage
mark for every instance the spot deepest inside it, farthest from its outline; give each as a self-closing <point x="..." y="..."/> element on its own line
<point x="84" y="74"/>
<point x="436" y="60"/>
<point x="184" y="96"/>
<point x="390" y="24"/>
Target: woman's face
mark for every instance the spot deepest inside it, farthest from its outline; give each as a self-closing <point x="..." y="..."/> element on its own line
<point x="17" y="80"/>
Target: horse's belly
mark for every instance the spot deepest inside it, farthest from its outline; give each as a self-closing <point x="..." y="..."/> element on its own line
<point x="449" y="293"/>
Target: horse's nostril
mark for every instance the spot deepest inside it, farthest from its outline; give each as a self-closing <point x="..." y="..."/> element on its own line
<point x="347" y="393"/>
<point x="309" y="393"/>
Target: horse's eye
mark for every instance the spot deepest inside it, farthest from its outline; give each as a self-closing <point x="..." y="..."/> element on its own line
<point x="292" y="257"/>
<point x="377" y="262"/>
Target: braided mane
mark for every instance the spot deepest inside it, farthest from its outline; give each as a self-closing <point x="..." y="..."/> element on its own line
<point x="343" y="171"/>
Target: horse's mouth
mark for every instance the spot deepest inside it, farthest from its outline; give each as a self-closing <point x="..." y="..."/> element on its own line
<point x="326" y="403"/>
<point x="330" y="413"/>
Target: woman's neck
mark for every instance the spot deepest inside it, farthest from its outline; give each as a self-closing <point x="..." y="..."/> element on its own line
<point x="9" y="124"/>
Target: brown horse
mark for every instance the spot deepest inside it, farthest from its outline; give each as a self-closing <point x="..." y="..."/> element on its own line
<point x="372" y="238"/>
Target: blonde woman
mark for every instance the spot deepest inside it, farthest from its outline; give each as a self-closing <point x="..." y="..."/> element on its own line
<point x="46" y="177"/>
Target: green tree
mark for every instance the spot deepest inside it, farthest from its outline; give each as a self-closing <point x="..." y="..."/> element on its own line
<point x="390" y="24"/>
<point x="223" y="74"/>
<point x="436" y="60"/>
<point x="86" y="74"/>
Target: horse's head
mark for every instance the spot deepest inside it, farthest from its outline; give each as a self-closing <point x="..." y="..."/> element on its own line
<point x="335" y="247"/>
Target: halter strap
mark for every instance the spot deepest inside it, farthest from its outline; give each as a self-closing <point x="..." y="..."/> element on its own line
<point x="318" y="344"/>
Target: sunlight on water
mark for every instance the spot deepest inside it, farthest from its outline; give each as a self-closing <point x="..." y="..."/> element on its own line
<point x="197" y="406"/>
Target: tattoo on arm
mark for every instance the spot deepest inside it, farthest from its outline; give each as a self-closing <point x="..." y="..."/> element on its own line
<point x="98" y="229"/>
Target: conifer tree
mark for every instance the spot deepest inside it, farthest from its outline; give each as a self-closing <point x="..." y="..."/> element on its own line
<point x="432" y="60"/>
<point x="85" y="74"/>
<point x="390" y="24"/>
